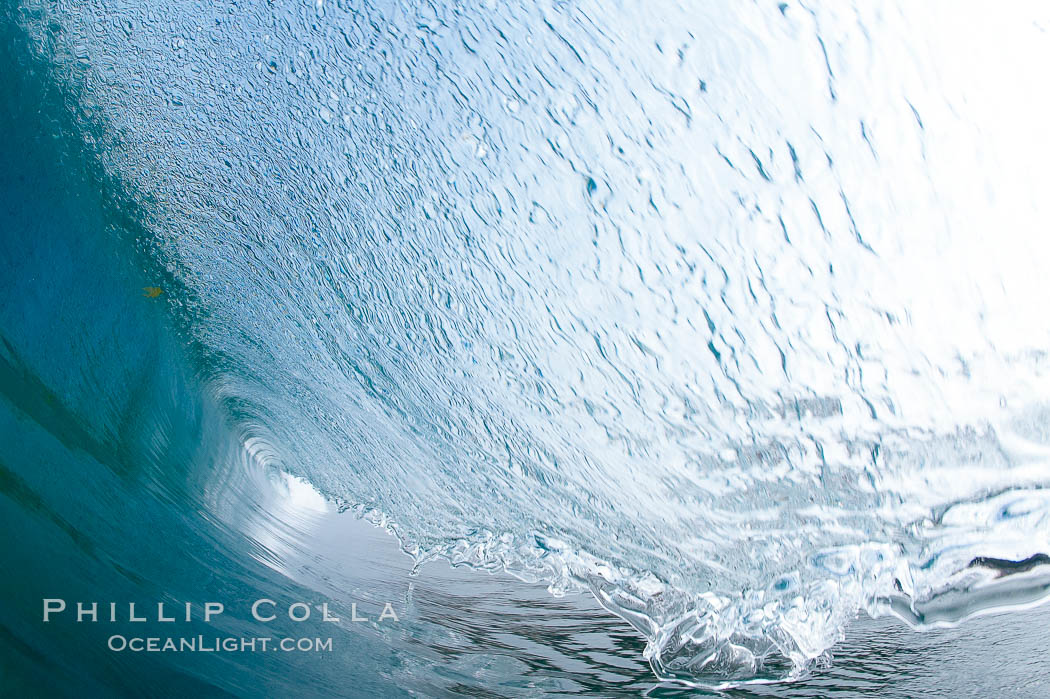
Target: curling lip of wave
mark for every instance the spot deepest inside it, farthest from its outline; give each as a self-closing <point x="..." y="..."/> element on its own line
<point x="641" y="302"/>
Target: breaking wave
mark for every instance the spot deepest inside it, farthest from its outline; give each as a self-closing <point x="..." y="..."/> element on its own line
<point x="733" y="315"/>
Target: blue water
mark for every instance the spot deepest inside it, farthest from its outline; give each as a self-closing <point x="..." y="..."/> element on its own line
<point x="707" y="331"/>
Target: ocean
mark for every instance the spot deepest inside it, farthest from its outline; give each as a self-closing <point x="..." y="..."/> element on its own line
<point x="523" y="349"/>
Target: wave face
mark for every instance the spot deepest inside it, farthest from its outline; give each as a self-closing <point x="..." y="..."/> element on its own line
<point x="734" y="316"/>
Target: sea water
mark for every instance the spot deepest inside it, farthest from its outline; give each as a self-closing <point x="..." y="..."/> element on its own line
<point x="722" y="324"/>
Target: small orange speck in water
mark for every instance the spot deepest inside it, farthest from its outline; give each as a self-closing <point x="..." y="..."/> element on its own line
<point x="152" y="292"/>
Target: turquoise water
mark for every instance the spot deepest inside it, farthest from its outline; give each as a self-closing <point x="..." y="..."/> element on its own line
<point x="634" y="310"/>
